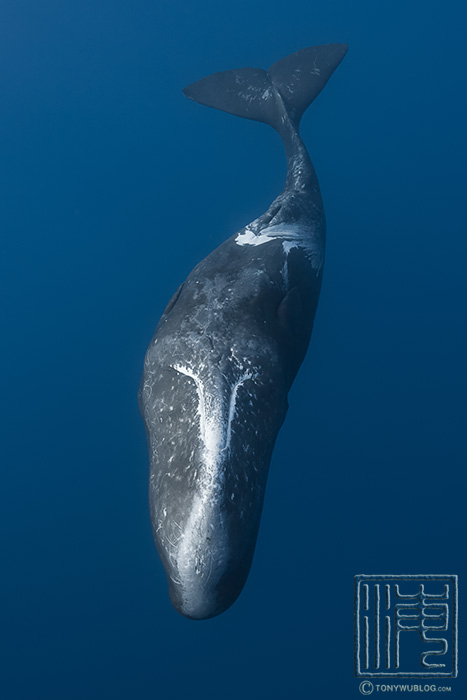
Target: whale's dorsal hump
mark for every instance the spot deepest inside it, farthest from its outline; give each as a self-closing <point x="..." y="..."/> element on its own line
<point x="254" y="93"/>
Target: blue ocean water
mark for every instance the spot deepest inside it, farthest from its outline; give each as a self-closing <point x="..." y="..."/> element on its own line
<point x="113" y="187"/>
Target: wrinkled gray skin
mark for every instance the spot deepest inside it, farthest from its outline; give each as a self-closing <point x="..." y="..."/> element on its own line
<point x="214" y="389"/>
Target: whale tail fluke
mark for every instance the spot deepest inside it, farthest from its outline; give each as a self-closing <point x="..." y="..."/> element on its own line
<point x="253" y="93"/>
<point x="301" y="76"/>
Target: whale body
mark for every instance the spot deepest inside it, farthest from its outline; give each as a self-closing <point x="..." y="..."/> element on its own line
<point x="225" y="353"/>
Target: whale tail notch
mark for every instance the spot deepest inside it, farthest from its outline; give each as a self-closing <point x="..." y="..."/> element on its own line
<point x="257" y="94"/>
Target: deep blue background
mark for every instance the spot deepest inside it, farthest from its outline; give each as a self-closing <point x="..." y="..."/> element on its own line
<point x="113" y="186"/>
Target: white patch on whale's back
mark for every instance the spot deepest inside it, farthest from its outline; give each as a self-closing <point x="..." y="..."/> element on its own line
<point x="292" y="236"/>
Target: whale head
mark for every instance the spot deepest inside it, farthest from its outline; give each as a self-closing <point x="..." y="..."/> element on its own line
<point x="211" y="424"/>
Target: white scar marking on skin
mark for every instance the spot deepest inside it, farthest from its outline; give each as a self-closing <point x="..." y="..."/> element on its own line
<point x="232" y="406"/>
<point x="212" y="423"/>
<point x="292" y="236"/>
<point x="199" y="388"/>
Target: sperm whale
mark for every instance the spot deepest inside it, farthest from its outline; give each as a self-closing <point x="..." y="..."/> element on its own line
<point x="227" y="348"/>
